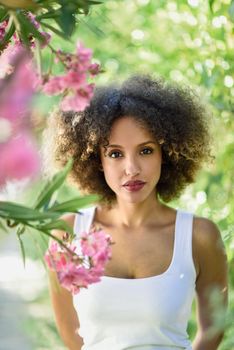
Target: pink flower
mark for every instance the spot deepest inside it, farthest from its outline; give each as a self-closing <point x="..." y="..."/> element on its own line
<point x="73" y="80"/>
<point x="94" y="69"/>
<point x="3" y="26"/>
<point x="17" y="86"/>
<point x="18" y="158"/>
<point x="84" y="54"/>
<point x="33" y="20"/>
<point x="54" y="86"/>
<point x="72" y="270"/>
<point x="74" y="85"/>
<point x="77" y="102"/>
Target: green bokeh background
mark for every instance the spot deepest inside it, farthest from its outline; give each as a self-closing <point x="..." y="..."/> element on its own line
<point x="186" y="41"/>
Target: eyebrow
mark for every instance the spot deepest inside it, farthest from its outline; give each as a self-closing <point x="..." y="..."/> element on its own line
<point x="141" y="144"/>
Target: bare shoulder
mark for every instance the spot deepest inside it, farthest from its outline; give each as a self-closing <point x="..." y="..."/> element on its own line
<point x="206" y="232"/>
<point x="208" y="248"/>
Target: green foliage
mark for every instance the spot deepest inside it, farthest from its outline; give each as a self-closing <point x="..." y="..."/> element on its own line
<point x="62" y="13"/>
<point x="45" y="214"/>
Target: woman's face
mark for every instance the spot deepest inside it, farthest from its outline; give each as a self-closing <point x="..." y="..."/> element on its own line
<point x="132" y="161"/>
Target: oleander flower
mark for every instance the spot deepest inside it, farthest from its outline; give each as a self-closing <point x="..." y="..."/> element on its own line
<point x="77" y="91"/>
<point x="76" y="271"/>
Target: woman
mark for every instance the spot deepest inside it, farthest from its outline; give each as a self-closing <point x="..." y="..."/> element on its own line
<point x="138" y="146"/>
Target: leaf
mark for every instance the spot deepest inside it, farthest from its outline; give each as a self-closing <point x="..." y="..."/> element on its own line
<point x="20" y="213"/>
<point x="48" y="15"/>
<point x="211" y="4"/>
<point x="55" y="30"/>
<point x="51" y="186"/>
<point x="3" y="14"/>
<point x="20" y="230"/>
<point x="56" y="225"/>
<point x="67" y="20"/>
<point x="22" y="249"/>
<point x="73" y="205"/>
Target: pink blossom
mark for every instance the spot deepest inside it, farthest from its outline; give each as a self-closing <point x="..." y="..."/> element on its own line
<point x="94" y="69"/>
<point x="77" y="102"/>
<point x="8" y="57"/>
<point x="73" y="80"/>
<point x="71" y="270"/>
<point x="54" y="86"/>
<point x="84" y="54"/>
<point x="33" y="20"/>
<point x="80" y="100"/>
<point x="3" y="26"/>
<point x="18" y="158"/>
<point x="17" y="87"/>
<point x="73" y="84"/>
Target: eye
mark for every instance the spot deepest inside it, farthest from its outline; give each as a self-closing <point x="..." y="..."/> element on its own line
<point x="115" y="154"/>
<point x="147" y="150"/>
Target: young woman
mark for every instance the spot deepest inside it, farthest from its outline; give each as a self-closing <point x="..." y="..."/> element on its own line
<point x="138" y="146"/>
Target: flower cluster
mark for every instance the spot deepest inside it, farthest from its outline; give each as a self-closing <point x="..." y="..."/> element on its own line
<point x="76" y="271"/>
<point x="18" y="154"/>
<point x="74" y="84"/>
<point x="19" y="81"/>
<point x="16" y="40"/>
<point x="46" y="36"/>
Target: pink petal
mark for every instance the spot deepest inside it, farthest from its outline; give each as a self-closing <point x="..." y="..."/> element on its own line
<point x="18" y="158"/>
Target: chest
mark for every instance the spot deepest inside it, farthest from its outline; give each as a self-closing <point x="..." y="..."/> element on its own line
<point x="143" y="253"/>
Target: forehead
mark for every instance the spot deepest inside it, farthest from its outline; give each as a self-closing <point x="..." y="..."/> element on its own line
<point x="127" y="129"/>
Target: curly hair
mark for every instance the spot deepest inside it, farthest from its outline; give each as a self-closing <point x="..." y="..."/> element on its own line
<point x="173" y="114"/>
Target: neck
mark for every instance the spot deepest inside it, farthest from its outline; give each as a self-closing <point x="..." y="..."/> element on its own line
<point x="133" y="215"/>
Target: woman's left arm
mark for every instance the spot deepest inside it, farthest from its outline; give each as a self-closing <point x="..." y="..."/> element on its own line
<point x="211" y="262"/>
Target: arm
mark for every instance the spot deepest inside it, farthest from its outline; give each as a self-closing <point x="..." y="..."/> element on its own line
<point x="211" y="262"/>
<point x="65" y="315"/>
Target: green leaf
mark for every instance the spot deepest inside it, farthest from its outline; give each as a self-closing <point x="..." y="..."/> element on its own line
<point x="20" y="213"/>
<point x="211" y="4"/>
<point x="56" y="225"/>
<point x="49" y="15"/>
<point x="51" y="186"/>
<point x="74" y="204"/>
<point x="55" y="30"/>
<point x="22" y="249"/>
<point x="20" y="230"/>
<point x="67" y="21"/>
<point x="3" y="14"/>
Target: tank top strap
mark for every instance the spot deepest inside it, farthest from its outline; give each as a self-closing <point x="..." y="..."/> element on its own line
<point x="183" y="238"/>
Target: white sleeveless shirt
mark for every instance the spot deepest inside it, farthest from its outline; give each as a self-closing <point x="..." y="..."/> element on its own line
<point x="148" y="313"/>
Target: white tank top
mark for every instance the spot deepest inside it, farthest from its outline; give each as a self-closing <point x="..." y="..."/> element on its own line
<point x="148" y="313"/>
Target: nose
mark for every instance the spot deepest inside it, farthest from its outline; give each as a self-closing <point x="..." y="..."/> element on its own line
<point x="132" y="167"/>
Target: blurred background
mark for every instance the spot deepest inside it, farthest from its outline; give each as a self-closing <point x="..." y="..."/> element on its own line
<point x="188" y="41"/>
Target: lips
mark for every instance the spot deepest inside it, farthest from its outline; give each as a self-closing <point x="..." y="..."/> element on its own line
<point x="133" y="186"/>
<point x="133" y="183"/>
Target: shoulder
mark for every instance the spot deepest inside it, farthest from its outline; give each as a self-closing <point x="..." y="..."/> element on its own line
<point x="206" y="234"/>
<point x="208" y="248"/>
